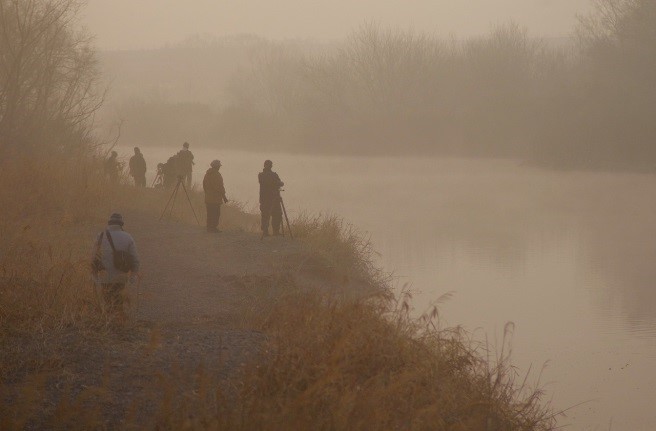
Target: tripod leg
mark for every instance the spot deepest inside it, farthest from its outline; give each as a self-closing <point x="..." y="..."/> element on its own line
<point x="190" y="204"/>
<point x="167" y="204"/>
<point x="282" y="225"/>
<point x="175" y="195"/>
<point x="284" y="211"/>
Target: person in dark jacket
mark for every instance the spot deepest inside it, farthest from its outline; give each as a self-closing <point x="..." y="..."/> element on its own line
<point x="138" y="168"/>
<point x="170" y="172"/>
<point x="215" y="195"/>
<point x="185" y="163"/>
<point x="270" y="199"/>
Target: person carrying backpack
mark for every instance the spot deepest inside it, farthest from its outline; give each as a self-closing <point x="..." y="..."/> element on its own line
<point x="115" y="263"/>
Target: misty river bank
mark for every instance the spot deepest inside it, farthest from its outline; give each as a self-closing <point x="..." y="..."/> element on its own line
<point x="567" y="257"/>
<point x="223" y="331"/>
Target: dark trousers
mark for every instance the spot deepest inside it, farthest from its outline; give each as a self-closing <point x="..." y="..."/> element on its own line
<point x="271" y="211"/>
<point x="140" y="180"/>
<point x="213" y="215"/>
<point x="114" y="296"/>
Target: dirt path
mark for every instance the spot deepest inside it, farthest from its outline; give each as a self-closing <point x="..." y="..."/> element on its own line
<point x="191" y="276"/>
<point x="192" y="296"/>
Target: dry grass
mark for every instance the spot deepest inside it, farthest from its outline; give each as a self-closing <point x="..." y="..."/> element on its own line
<point x="341" y="248"/>
<point x="330" y="362"/>
<point x="362" y="365"/>
<point x="50" y="210"/>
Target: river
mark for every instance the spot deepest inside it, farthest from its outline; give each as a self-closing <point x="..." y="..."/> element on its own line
<point x="568" y="257"/>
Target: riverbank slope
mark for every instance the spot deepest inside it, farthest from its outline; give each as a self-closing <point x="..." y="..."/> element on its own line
<point x="224" y="331"/>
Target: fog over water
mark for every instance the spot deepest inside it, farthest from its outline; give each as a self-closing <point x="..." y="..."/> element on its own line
<point x="566" y="256"/>
<point x="497" y="151"/>
<point x="500" y="153"/>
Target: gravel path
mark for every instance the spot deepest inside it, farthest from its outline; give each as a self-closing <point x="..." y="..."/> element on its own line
<point x="188" y="309"/>
<point x="189" y="275"/>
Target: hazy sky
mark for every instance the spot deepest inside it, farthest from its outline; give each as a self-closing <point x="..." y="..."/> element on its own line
<point x="120" y="24"/>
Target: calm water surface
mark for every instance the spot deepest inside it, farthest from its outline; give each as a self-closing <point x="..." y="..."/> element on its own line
<point x="568" y="257"/>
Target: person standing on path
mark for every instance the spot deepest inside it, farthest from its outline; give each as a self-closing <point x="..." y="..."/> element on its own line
<point x="115" y="263"/>
<point x="270" y="199"/>
<point x="138" y="168"/>
<point x="112" y="167"/>
<point x="185" y="159"/>
<point x="215" y="195"/>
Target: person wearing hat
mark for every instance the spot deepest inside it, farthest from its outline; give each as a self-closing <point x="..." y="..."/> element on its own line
<point x="185" y="159"/>
<point x="270" y="199"/>
<point x="115" y="263"/>
<point x="138" y="168"/>
<point x="215" y="195"/>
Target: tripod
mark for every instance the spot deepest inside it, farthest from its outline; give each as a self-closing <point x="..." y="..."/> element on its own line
<point x="282" y="225"/>
<point x="159" y="179"/>
<point x="172" y="200"/>
<point x="284" y="211"/>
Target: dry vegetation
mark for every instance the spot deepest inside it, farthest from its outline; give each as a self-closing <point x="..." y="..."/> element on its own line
<point x="330" y="362"/>
<point x="50" y="210"/>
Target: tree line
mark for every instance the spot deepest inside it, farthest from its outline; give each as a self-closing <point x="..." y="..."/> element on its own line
<point x="590" y="102"/>
<point x="585" y="102"/>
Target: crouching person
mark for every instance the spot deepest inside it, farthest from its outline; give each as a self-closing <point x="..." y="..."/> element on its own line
<point x="115" y="263"/>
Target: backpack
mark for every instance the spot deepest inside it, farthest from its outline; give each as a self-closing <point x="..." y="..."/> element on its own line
<point x="96" y="263"/>
<point x="122" y="259"/>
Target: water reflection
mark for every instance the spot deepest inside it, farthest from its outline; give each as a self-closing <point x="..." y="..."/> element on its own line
<point x="568" y="257"/>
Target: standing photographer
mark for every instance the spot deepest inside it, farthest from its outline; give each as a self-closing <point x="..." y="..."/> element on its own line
<point x="185" y="159"/>
<point x="215" y="195"/>
<point x="138" y="168"/>
<point x="270" y="207"/>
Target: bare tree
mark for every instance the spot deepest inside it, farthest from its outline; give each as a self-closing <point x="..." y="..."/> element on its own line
<point x="48" y="76"/>
<point x="614" y="26"/>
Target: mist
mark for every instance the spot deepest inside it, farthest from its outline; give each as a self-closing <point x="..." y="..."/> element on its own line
<point x="579" y="101"/>
<point x="123" y="24"/>
<point x="468" y="198"/>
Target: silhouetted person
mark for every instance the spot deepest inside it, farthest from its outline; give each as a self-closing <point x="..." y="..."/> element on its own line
<point x="112" y="167"/>
<point x="270" y="199"/>
<point x="170" y="172"/>
<point x="215" y="195"/>
<point x="159" y="176"/>
<point x="138" y="168"/>
<point x="112" y="279"/>
<point x="186" y="163"/>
